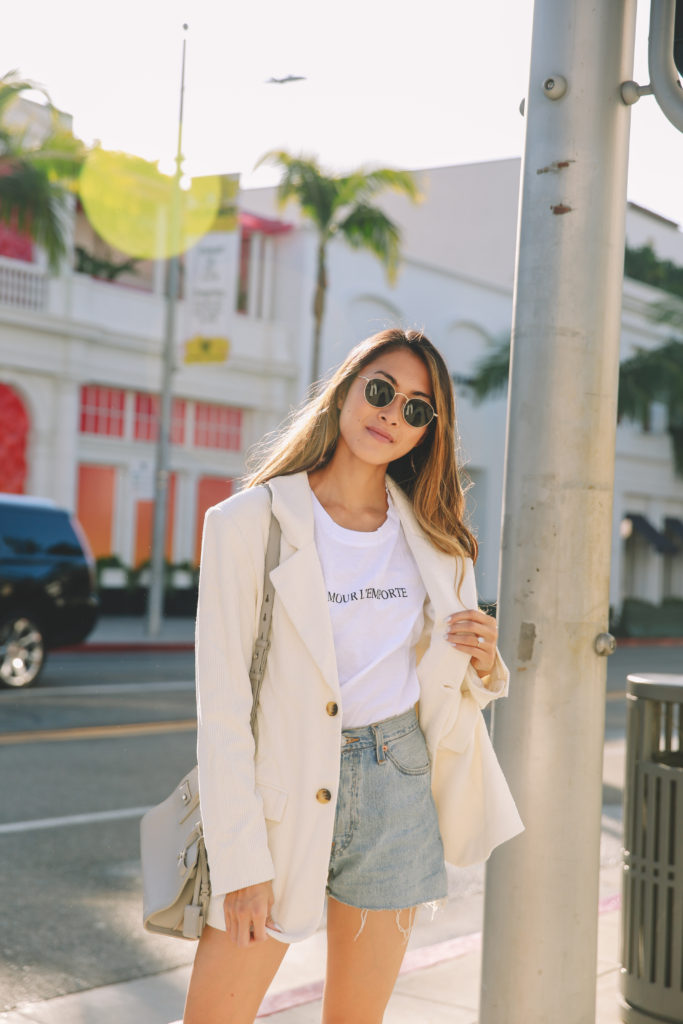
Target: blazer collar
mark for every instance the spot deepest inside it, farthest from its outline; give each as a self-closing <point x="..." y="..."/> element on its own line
<point x="293" y="508"/>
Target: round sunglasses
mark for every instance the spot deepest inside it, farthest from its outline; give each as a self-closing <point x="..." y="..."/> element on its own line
<point x="380" y="393"/>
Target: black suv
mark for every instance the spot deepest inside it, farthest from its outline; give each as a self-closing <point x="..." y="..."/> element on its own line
<point x="47" y="585"/>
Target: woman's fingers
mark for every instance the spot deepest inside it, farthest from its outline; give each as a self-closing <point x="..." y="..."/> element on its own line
<point x="247" y="911"/>
<point x="473" y="620"/>
<point x="474" y="633"/>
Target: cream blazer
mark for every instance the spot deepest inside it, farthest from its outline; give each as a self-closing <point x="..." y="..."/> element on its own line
<point x="262" y="815"/>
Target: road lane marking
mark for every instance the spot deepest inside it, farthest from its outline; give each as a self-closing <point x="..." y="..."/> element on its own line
<point x="94" y="689"/>
<point x="90" y="732"/>
<point x="71" y="819"/>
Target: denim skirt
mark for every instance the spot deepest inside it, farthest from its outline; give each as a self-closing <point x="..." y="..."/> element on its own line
<point x="387" y="852"/>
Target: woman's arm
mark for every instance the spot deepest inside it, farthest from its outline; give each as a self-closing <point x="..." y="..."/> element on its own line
<point x="475" y="633"/>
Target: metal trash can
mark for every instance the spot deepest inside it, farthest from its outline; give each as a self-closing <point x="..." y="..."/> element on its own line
<point x="652" y="905"/>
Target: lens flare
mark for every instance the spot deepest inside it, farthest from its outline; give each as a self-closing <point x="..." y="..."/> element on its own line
<point x="130" y="203"/>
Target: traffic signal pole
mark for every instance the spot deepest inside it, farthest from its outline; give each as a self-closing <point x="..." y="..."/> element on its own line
<point x="540" y="929"/>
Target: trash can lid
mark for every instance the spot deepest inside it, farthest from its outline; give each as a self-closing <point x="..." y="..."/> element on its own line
<point x="656" y="686"/>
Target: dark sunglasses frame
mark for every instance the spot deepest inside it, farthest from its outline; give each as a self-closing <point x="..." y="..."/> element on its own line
<point x="409" y="402"/>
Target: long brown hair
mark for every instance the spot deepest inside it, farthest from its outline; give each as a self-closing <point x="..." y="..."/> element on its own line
<point x="428" y="474"/>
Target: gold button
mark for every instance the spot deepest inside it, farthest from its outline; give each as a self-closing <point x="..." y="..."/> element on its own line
<point x="323" y="796"/>
<point x="332" y="709"/>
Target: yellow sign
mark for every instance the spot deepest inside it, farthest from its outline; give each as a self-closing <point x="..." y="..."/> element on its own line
<point x="130" y="203"/>
<point x="206" y="350"/>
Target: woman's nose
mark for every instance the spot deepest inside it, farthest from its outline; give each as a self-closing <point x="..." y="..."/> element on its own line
<point x="392" y="412"/>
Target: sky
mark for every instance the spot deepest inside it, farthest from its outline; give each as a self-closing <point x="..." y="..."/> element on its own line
<point x="403" y="85"/>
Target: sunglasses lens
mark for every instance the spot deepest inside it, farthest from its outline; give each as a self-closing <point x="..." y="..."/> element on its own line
<point x="417" y="413"/>
<point x="379" y="392"/>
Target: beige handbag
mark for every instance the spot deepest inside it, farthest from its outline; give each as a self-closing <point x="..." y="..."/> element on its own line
<point x="175" y="871"/>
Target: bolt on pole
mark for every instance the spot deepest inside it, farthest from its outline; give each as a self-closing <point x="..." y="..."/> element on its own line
<point x="540" y="928"/>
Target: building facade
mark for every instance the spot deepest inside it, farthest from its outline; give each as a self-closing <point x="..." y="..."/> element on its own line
<point x="80" y="370"/>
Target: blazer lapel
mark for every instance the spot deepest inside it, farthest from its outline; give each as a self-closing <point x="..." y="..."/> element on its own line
<point x="441" y="662"/>
<point x="298" y="579"/>
<point x="438" y="570"/>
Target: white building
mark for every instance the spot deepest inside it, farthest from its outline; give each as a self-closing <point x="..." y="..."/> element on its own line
<point x="456" y="282"/>
<point x="82" y="358"/>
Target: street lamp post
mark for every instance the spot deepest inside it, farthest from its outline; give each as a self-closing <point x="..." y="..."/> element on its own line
<point x="540" y="922"/>
<point x="161" y="469"/>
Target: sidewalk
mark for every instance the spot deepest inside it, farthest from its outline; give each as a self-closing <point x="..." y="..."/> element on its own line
<point x="438" y="985"/>
<point x="129" y="633"/>
<point x="439" y="982"/>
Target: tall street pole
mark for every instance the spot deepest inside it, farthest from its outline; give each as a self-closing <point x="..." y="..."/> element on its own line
<point x="161" y="470"/>
<point x="540" y="929"/>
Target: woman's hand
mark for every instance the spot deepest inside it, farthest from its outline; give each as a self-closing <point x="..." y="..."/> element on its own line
<point x="474" y="633"/>
<point x="247" y="912"/>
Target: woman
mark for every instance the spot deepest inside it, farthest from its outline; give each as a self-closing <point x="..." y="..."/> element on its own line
<point x="375" y="615"/>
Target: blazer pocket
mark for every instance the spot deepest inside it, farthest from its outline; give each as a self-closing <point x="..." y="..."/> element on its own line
<point x="458" y="737"/>
<point x="274" y="800"/>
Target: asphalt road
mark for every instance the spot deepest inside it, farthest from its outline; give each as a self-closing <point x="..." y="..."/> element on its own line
<point x="102" y="736"/>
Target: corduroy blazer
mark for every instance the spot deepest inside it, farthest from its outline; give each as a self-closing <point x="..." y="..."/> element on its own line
<point x="263" y="818"/>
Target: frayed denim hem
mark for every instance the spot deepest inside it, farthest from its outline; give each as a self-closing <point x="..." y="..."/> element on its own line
<point x="433" y="905"/>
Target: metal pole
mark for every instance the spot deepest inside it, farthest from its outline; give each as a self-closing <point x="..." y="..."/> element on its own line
<point x="540" y="928"/>
<point x="161" y="472"/>
<point x="663" y="71"/>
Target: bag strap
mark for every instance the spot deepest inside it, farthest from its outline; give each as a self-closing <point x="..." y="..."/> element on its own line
<point x="262" y="642"/>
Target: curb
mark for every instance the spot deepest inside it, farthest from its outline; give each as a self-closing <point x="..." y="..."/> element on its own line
<point x="649" y="641"/>
<point x="125" y="646"/>
<point x="130" y="646"/>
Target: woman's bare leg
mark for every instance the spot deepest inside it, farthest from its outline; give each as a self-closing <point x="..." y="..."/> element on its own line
<point x="228" y="981"/>
<point x="362" y="968"/>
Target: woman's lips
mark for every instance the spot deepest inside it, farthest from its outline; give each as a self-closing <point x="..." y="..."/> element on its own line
<point x="380" y="435"/>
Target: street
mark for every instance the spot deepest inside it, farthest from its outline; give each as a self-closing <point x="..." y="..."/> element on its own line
<point x="102" y="736"/>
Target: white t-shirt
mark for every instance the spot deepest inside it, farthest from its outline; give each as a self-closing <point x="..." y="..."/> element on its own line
<point x="376" y="599"/>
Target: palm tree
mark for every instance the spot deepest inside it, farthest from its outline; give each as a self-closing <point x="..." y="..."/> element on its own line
<point x="655" y="375"/>
<point x="340" y="206"/>
<point x="35" y="177"/>
<point x="650" y="375"/>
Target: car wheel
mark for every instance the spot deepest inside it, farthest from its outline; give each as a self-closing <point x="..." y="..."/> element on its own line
<point x="22" y="651"/>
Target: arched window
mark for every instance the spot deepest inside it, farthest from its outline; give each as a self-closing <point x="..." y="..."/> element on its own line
<point x="463" y="344"/>
<point x="14" y="427"/>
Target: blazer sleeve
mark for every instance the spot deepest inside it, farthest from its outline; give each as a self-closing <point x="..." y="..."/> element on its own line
<point x="232" y="811"/>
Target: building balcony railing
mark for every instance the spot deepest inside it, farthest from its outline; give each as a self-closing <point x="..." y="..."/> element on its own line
<point x="23" y="285"/>
<point x="125" y="314"/>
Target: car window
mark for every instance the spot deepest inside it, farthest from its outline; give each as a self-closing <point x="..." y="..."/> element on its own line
<point x="33" y="531"/>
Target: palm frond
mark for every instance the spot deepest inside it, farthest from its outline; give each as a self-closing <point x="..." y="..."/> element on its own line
<point x="652" y="375"/>
<point x="304" y="181"/>
<point x="60" y="156"/>
<point x="367" y="227"/>
<point x="668" y="311"/>
<point x="12" y="85"/>
<point x="381" y="179"/>
<point x="29" y="200"/>
<point x="490" y="376"/>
